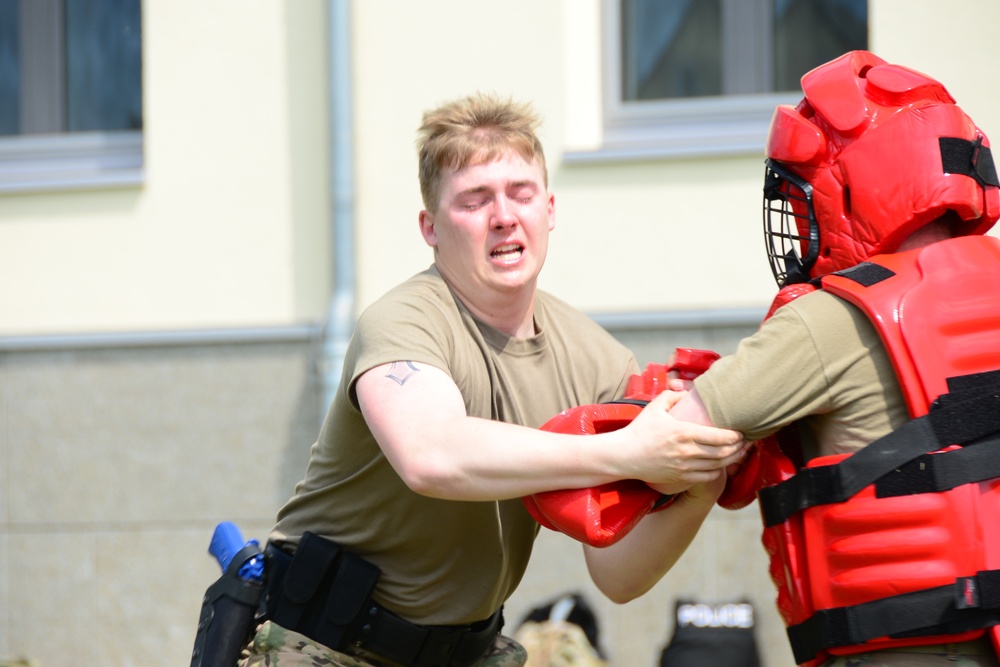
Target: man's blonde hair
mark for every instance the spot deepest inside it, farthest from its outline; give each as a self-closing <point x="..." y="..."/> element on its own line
<point x="472" y="130"/>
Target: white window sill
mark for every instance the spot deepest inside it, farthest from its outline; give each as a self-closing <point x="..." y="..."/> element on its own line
<point x="85" y="160"/>
<point x="733" y="125"/>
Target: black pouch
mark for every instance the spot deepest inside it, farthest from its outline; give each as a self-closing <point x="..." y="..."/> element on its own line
<point x="721" y="635"/>
<point x="322" y="592"/>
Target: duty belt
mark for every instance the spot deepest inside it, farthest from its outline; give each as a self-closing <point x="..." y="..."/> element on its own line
<point x="324" y="593"/>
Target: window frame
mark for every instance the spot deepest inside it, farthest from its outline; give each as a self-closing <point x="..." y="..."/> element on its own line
<point x="48" y="157"/>
<point x="728" y="124"/>
<point x="77" y="160"/>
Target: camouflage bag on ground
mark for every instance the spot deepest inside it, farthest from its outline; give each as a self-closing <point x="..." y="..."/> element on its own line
<point x="557" y="644"/>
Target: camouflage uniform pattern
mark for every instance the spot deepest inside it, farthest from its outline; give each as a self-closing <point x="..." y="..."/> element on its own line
<point x="274" y="646"/>
<point x="557" y="644"/>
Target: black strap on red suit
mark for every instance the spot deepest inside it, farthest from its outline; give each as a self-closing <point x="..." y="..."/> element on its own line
<point x="967" y="415"/>
<point x="970" y="603"/>
<point x="969" y="158"/>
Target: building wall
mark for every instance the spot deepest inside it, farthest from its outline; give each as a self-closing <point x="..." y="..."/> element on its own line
<point x="229" y="228"/>
<point x="117" y="464"/>
<point x="119" y="460"/>
<point x="159" y="344"/>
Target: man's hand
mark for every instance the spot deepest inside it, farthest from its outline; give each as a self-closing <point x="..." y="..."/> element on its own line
<point x="673" y="455"/>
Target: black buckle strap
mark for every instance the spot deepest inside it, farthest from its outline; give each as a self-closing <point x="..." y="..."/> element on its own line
<point x="324" y="593"/>
<point x="970" y="603"/>
<point x="961" y="420"/>
<point x="836" y="483"/>
<point x="942" y="471"/>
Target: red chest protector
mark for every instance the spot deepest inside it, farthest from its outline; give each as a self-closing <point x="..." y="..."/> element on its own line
<point x="899" y="543"/>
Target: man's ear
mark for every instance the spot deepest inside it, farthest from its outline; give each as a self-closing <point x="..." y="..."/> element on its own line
<point x="427" y="230"/>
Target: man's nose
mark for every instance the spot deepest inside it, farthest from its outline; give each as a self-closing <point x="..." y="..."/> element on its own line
<point x="503" y="213"/>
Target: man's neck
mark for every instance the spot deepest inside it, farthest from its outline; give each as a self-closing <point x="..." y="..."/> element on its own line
<point x="512" y="316"/>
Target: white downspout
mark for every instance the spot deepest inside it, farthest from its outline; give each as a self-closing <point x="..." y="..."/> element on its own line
<point x="340" y="315"/>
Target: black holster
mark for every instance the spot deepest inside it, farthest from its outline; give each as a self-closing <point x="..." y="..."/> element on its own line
<point x="228" y="614"/>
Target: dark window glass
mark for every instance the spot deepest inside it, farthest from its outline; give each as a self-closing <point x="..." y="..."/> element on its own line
<point x="70" y="66"/>
<point x="671" y="49"/>
<point x="694" y="48"/>
<point x="103" y="65"/>
<point x="10" y="67"/>
<point x="808" y="33"/>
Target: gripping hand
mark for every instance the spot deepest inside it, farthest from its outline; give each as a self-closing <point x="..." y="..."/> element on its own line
<point x="602" y="515"/>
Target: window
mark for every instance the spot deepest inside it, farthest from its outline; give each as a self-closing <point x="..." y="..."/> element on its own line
<point x="70" y="93"/>
<point x="697" y="77"/>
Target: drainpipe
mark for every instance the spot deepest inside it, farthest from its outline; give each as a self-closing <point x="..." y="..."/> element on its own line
<point x="340" y="315"/>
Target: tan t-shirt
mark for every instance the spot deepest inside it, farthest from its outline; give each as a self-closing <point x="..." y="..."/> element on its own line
<point x="817" y="359"/>
<point x="446" y="562"/>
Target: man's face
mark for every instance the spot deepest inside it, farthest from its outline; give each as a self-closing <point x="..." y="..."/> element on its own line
<point x="491" y="228"/>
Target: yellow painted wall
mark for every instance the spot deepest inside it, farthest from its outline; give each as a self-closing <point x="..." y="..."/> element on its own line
<point x="231" y="227"/>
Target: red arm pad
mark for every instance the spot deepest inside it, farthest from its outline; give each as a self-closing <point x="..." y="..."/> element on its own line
<point x="765" y="465"/>
<point x="599" y="515"/>
<point x="688" y="364"/>
<point x="602" y="515"/>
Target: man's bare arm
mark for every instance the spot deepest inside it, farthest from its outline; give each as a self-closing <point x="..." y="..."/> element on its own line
<point x="417" y="414"/>
<point x="632" y="566"/>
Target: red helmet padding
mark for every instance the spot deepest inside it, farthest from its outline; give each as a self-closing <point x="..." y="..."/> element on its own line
<point x="866" y="137"/>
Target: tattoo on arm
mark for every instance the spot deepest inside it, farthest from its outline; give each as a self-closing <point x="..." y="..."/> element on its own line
<point x="401" y="371"/>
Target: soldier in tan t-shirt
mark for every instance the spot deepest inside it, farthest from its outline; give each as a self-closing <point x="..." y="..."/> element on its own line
<point x="408" y="531"/>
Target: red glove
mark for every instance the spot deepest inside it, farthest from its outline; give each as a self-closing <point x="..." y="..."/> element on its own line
<point x="602" y="515"/>
<point x="764" y="465"/>
<point x="688" y="364"/>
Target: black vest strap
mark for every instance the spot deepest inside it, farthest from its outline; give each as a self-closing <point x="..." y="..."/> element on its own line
<point x="943" y="471"/>
<point x="970" y="603"/>
<point x="962" y="419"/>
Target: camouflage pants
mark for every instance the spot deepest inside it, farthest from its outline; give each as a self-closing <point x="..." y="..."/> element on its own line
<point x="274" y="646"/>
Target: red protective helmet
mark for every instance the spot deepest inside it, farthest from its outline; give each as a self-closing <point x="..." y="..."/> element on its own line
<point x="872" y="153"/>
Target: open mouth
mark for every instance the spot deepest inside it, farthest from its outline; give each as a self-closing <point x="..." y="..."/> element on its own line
<point x="509" y="252"/>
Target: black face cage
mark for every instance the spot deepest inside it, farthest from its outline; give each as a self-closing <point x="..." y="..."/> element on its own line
<point x="781" y="231"/>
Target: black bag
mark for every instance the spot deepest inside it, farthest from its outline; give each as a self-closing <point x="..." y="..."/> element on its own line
<point x="721" y="635"/>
